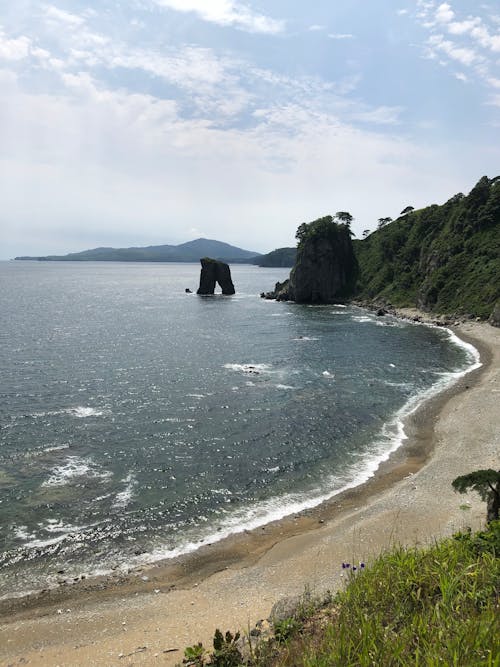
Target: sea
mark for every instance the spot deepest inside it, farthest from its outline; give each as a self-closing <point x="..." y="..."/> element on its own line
<point x="139" y="422"/>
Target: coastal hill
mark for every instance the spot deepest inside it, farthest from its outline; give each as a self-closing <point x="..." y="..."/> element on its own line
<point x="185" y="252"/>
<point x="443" y="259"/>
<point x="279" y="258"/>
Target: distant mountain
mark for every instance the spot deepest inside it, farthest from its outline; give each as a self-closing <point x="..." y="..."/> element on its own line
<point x="192" y="251"/>
<point x="281" y="257"/>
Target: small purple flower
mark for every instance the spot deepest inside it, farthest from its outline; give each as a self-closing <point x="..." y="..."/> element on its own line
<point x="362" y="566"/>
<point x="354" y="568"/>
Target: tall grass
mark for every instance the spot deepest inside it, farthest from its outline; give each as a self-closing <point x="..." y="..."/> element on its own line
<point x="410" y="608"/>
<point x="434" y="607"/>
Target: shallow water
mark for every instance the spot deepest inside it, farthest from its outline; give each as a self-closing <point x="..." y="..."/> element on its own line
<point x="138" y="421"/>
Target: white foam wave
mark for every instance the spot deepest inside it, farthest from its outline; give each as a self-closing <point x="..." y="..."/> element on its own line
<point x="305" y="338"/>
<point x="56" y="529"/>
<point x="123" y="498"/>
<point x="390" y="439"/>
<point x="284" y="386"/>
<point x="327" y="374"/>
<point x="362" y="318"/>
<point x="75" y="467"/>
<point x="80" y="411"/>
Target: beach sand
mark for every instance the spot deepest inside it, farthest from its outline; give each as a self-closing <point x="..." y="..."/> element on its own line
<point x="234" y="583"/>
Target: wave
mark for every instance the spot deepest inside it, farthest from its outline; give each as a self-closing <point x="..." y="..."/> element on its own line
<point x="390" y="438"/>
<point x="75" y="467"/>
<point x="123" y="498"/>
<point x="80" y="411"/>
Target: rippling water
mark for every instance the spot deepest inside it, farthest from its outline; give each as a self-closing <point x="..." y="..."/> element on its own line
<point x="137" y="421"/>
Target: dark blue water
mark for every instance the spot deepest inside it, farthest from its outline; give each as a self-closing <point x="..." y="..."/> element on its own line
<point x="137" y="421"/>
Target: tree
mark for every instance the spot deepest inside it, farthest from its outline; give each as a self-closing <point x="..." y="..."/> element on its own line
<point x="301" y="232"/>
<point x="345" y="217"/>
<point x="383" y="221"/>
<point x="407" y="210"/>
<point x="487" y="484"/>
<point x="366" y="233"/>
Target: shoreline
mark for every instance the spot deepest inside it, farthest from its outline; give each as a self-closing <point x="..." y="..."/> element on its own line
<point x="215" y="569"/>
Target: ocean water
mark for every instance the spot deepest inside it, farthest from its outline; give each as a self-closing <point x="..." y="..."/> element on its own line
<point x="138" y="422"/>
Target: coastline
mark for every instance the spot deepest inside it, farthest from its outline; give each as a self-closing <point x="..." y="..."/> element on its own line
<point x="233" y="583"/>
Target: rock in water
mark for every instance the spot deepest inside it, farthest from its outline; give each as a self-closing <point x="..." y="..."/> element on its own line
<point x="212" y="272"/>
<point x="326" y="268"/>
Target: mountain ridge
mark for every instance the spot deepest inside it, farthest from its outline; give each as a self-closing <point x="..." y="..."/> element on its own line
<point x="190" y="251"/>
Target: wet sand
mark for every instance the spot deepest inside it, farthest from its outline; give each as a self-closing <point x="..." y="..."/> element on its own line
<point x="149" y="616"/>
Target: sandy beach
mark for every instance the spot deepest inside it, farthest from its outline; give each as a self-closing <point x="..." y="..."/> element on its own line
<point x="148" y="617"/>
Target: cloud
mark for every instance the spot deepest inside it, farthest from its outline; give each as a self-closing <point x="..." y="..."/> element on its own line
<point x="15" y="48"/>
<point x="470" y="41"/>
<point x="227" y="13"/>
<point x="340" y="35"/>
<point x="444" y="13"/>
<point x="316" y="27"/>
<point x="383" y="115"/>
<point x="59" y="16"/>
<point x="464" y="55"/>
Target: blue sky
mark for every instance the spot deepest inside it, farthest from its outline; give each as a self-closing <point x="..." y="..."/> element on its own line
<point x="160" y="121"/>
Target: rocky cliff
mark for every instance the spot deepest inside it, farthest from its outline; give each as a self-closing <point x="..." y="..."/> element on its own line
<point x="326" y="268"/>
<point x="212" y="272"/>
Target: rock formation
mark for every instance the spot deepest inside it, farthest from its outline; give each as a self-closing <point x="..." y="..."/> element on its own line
<point x="212" y="272"/>
<point x="325" y="268"/>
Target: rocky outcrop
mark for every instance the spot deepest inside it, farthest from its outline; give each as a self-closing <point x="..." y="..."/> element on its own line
<point x="212" y="272"/>
<point x="280" y="292"/>
<point x="326" y="268"/>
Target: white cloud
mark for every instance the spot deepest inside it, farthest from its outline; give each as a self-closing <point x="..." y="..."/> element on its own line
<point x="59" y="16"/>
<point x="463" y="27"/>
<point x="15" y="48"/>
<point x="464" y="55"/>
<point x="383" y="115"/>
<point x="444" y="13"/>
<point x="227" y="13"/>
<point x="402" y="12"/>
<point x="461" y="76"/>
<point x="316" y="27"/>
<point x="340" y="35"/>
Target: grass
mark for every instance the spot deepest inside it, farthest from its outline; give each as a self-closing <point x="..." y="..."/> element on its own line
<point x="410" y="607"/>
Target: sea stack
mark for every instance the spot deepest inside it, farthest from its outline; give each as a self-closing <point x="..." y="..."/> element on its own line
<point x="325" y="268"/>
<point x="212" y="272"/>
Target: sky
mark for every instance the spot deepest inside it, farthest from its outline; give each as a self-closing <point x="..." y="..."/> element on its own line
<point x="160" y="121"/>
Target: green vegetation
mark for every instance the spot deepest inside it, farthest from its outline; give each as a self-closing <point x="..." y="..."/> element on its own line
<point x="440" y="258"/>
<point x="328" y="227"/>
<point x="437" y="606"/>
<point x="281" y="257"/>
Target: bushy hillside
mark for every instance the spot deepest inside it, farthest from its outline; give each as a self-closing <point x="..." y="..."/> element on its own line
<point x="281" y="257"/>
<point x="440" y="258"/>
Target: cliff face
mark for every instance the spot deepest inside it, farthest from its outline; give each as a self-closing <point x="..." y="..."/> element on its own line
<point x="444" y="259"/>
<point x="326" y="268"/>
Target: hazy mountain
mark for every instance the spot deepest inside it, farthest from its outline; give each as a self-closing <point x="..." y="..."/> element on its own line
<point x="192" y="251"/>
